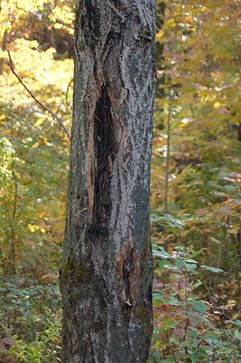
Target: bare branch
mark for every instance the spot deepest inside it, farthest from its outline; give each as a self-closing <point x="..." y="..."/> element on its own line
<point x="45" y="108"/>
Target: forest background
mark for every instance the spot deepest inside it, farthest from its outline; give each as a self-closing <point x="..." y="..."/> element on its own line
<point x="196" y="179"/>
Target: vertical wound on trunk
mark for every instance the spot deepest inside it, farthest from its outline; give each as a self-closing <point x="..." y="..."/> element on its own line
<point x="104" y="145"/>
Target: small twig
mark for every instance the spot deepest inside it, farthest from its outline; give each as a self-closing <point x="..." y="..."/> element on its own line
<point x="67" y="93"/>
<point x="45" y="108"/>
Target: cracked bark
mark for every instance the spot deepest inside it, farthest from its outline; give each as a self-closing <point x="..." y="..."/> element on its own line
<point x="106" y="277"/>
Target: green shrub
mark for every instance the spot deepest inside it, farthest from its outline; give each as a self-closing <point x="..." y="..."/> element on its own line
<point x="185" y="329"/>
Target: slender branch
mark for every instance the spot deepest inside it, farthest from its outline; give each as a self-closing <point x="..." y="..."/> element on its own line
<point x="45" y="108"/>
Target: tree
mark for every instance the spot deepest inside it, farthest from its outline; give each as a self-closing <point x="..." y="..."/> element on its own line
<point x="106" y="277"/>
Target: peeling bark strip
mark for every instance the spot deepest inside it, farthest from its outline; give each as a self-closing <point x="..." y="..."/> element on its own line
<point x="106" y="277"/>
<point x="128" y="267"/>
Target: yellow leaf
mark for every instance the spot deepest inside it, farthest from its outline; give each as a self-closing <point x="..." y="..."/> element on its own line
<point x="217" y="105"/>
<point x="32" y="228"/>
<point x="41" y="213"/>
<point x="159" y="35"/>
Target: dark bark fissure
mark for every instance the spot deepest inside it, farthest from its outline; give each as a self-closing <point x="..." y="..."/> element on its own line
<point x="104" y="143"/>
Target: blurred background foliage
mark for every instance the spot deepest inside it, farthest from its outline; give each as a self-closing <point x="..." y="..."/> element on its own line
<point x="33" y="174"/>
<point x="196" y="179"/>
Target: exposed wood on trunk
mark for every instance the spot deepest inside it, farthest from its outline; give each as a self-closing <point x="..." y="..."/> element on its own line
<point x="106" y="278"/>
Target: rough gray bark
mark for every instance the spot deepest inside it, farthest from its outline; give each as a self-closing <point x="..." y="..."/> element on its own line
<point x="106" y="278"/>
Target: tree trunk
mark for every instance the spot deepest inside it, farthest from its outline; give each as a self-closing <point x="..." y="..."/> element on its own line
<point x="106" y="277"/>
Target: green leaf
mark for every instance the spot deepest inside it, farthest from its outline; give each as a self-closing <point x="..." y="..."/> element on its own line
<point x="211" y="269"/>
<point x="171" y="267"/>
<point x="194" y="357"/>
<point x="181" y="263"/>
<point x="157" y="296"/>
<point x="160" y="252"/>
<point x="199" y="305"/>
<point x="172" y="301"/>
<point x="212" y="339"/>
<point x="229" y="188"/>
<point x="237" y="335"/>
<point x="190" y="260"/>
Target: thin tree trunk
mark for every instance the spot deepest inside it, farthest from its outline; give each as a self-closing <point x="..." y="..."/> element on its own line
<point x="106" y="278"/>
<point x="169" y="120"/>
